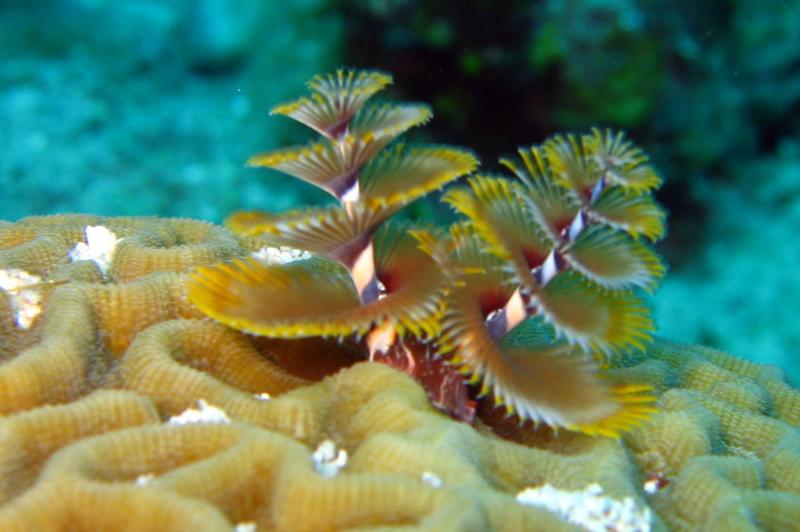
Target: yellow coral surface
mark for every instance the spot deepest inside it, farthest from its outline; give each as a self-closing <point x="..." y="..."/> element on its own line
<point x="92" y="436"/>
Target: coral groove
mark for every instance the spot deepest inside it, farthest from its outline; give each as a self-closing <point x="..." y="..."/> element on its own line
<point x="88" y="393"/>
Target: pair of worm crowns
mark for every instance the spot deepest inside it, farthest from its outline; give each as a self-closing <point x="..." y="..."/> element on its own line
<point x="530" y="295"/>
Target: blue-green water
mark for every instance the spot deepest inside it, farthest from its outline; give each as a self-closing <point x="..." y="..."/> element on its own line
<point x="151" y="107"/>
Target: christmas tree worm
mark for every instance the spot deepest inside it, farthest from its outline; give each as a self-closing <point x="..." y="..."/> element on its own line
<point x="561" y="249"/>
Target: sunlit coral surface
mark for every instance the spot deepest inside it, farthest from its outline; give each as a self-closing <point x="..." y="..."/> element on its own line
<point x="93" y="388"/>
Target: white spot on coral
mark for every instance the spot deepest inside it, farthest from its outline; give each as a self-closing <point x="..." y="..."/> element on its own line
<point x="651" y="486"/>
<point x="263" y="396"/>
<point x="280" y="254"/>
<point x="26" y="303"/>
<point x="144" y="480"/>
<point x="205" y="414"/>
<point x="327" y="461"/>
<point x="247" y="526"/>
<point x="741" y="451"/>
<point x="98" y="248"/>
<point x="432" y="479"/>
<point x="589" y="508"/>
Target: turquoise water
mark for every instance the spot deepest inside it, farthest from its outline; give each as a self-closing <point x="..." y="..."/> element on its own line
<point x="152" y="107"/>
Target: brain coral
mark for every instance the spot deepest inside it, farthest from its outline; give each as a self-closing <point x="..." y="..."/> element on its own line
<point x="93" y="387"/>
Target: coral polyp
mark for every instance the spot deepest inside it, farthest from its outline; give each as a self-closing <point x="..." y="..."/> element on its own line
<point x="561" y="249"/>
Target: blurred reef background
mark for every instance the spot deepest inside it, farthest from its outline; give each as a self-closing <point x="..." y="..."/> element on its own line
<point x="145" y="107"/>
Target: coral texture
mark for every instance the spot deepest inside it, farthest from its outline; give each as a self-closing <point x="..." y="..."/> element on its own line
<point x="89" y="439"/>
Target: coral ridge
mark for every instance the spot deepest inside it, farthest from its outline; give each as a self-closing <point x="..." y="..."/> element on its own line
<point x="88" y="389"/>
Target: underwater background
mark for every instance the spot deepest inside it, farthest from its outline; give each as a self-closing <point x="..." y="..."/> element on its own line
<point x="151" y="107"/>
